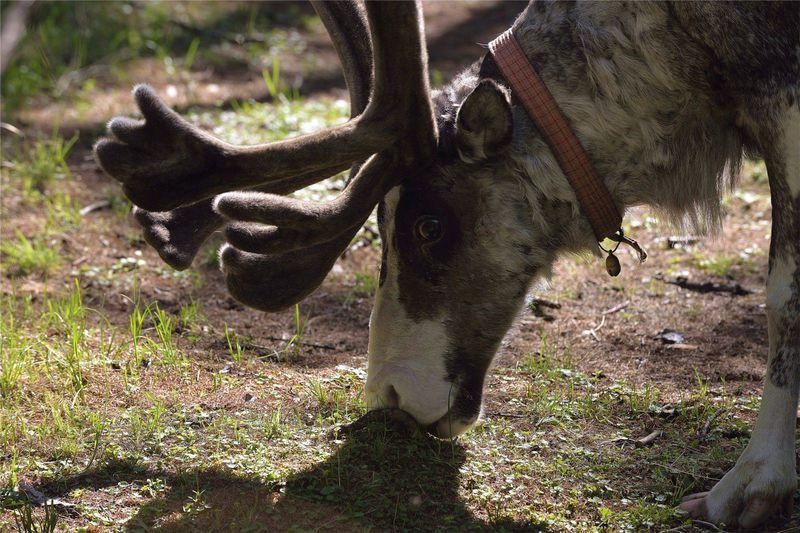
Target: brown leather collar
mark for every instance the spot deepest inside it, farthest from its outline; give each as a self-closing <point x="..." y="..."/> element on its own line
<point x="529" y="89"/>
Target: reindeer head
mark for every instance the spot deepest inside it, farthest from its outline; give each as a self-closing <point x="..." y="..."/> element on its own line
<point x="459" y="252"/>
<point x="460" y="245"/>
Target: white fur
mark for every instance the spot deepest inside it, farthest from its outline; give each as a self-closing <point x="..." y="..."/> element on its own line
<point x="404" y="354"/>
<point x="767" y="466"/>
<point x="779" y="284"/>
<point x="791" y="150"/>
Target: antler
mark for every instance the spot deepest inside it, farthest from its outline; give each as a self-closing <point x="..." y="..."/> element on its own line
<point x="276" y="281"/>
<point x="141" y="155"/>
<point x="397" y="122"/>
<point x="177" y="235"/>
<point x="304" y="239"/>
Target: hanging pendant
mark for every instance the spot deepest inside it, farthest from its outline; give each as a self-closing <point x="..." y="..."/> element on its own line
<point x="612" y="265"/>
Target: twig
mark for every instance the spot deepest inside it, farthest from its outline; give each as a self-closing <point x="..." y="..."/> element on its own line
<point x="245" y="344"/>
<point x="302" y="343"/>
<point x="676" y="529"/>
<point x="702" y="435"/>
<point x="538" y="305"/>
<point x="498" y="414"/>
<point x="674" y="470"/>
<point x="674" y="241"/>
<point x="705" y="287"/>
<point x="649" y="439"/>
<point x="787" y="530"/>
<point x="95" y="206"/>
<point x="11" y="129"/>
<point x="593" y="331"/>
<point x="545" y="303"/>
<point x="618" y="307"/>
<point x="706" y="524"/>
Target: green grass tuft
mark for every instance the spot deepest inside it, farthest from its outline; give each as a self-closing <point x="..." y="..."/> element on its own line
<point x="24" y="256"/>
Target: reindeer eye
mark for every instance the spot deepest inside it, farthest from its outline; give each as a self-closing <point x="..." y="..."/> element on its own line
<point x="428" y="228"/>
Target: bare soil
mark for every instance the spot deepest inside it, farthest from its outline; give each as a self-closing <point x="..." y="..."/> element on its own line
<point x="603" y="326"/>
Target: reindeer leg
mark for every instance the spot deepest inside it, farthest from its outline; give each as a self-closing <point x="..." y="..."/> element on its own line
<point x="763" y="481"/>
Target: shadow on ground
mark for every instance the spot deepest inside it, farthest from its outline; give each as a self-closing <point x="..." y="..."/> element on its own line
<point x="372" y="481"/>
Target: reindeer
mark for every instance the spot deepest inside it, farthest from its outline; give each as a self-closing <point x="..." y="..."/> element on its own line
<point x="473" y="205"/>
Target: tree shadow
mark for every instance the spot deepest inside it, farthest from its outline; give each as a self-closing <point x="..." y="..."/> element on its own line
<point x="380" y="478"/>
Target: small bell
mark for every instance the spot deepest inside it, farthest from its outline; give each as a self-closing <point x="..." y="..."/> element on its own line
<point x="612" y="265"/>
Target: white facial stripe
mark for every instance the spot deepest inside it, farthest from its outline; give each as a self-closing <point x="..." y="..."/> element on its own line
<point x="404" y="354"/>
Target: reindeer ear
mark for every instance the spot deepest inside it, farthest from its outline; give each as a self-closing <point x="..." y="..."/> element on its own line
<point x="484" y="123"/>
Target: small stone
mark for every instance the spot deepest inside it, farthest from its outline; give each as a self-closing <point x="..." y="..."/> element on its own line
<point x="670" y="336"/>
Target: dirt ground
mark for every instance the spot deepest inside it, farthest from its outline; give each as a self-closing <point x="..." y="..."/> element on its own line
<point x="710" y="290"/>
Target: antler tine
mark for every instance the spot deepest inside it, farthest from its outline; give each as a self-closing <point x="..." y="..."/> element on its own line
<point x="277" y="280"/>
<point x="300" y="223"/>
<point x="346" y="23"/>
<point x="177" y="235"/>
<point x="213" y="166"/>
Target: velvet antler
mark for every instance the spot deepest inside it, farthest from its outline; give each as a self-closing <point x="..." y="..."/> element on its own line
<point x="177" y="235"/>
<point x="303" y="239"/>
<point x="165" y="162"/>
<point x="397" y="122"/>
<point x="294" y="223"/>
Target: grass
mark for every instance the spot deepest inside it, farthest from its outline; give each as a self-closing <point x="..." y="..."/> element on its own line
<point x="140" y="414"/>
<point x="27" y="521"/>
<point x="73" y="46"/>
<point x="119" y="397"/>
<point x="234" y="347"/>
<point x="24" y="256"/>
<point x="36" y="171"/>
<point x="725" y="265"/>
<point x="563" y="457"/>
<point x="366" y="284"/>
<point x="40" y="163"/>
<point x="300" y="325"/>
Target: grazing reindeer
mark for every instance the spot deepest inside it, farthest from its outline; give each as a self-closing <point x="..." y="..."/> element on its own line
<point x="473" y="204"/>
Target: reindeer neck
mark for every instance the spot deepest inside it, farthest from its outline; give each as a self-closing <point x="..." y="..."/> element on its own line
<point x="634" y="97"/>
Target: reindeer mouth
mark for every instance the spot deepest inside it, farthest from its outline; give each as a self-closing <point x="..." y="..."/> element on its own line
<point x="447" y="427"/>
<point x="451" y="425"/>
<point x="389" y="416"/>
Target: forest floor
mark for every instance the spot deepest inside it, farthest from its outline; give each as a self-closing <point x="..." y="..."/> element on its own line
<point x="136" y="397"/>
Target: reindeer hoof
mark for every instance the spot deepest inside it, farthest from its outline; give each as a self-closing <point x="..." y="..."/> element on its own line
<point x="749" y="495"/>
